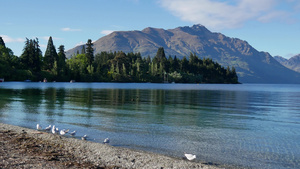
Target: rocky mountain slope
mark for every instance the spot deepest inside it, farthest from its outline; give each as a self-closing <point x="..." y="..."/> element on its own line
<point x="251" y="65"/>
<point x="292" y="63"/>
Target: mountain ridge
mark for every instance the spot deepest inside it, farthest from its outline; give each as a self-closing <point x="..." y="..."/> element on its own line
<point x="252" y="66"/>
<point x="293" y="63"/>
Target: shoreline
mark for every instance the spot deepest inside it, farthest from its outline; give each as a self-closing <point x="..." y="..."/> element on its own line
<point x="28" y="148"/>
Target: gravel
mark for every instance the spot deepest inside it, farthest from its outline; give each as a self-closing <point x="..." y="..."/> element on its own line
<point x="27" y="148"/>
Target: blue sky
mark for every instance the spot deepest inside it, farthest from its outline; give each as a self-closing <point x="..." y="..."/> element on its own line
<point x="268" y="25"/>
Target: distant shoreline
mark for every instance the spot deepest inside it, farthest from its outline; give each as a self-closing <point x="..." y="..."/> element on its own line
<point x="25" y="144"/>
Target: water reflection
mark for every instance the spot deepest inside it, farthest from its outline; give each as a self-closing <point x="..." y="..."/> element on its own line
<point x="172" y="107"/>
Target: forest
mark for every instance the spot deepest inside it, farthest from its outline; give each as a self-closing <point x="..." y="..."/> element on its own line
<point x="107" y="66"/>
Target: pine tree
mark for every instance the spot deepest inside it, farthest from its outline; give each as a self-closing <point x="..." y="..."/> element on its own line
<point x="37" y="56"/>
<point x="184" y="64"/>
<point x="2" y="42"/>
<point x="83" y="49"/>
<point x="175" y="65"/>
<point x="160" y="56"/>
<point x="148" y="60"/>
<point x="234" y="77"/>
<point x="30" y="58"/>
<point x="50" y="55"/>
<point x="89" y="52"/>
<point x="61" y="63"/>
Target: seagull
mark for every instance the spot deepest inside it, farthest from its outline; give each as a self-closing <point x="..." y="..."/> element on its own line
<point x="73" y="133"/>
<point x="190" y="156"/>
<point x="106" y="141"/>
<point x="62" y="132"/>
<point x="38" y="127"/>
<point x="66" y="131"/>
<point x="48" y="128"/>
<point x="53" y="129"/>
<point x="84" y="137"/>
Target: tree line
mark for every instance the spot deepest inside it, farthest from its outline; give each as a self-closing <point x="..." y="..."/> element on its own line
<point x="105" y="66"/>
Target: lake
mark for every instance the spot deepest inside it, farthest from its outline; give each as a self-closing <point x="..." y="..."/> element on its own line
<point x="242" y="125"/>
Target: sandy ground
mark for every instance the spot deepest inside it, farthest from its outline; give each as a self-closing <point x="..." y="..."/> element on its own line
<point x="27" y="148"/>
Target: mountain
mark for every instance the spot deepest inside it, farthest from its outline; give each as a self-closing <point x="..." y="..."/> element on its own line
<point x="251" y="65"/>
<point x="292" y="63"/>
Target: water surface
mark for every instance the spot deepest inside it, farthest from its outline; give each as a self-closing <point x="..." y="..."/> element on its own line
<point x="248" y="125"/>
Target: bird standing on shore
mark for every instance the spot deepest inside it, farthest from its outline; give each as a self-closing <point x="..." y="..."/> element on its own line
<point x="62" y="132"/>
<point x="73" y="133"/>
<point x="53" y="129"/>
<point x="48" y="128"/>
<point x="106" y="141"/>
<point x="190" y="156"/>
<point x="38" y="127"/>
<point x="84" y="137"/>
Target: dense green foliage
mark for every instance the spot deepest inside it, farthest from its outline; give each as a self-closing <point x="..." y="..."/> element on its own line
<point x="108" y="66"/>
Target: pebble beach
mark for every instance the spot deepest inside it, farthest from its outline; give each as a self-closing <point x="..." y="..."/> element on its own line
<point x="28" y="148"/>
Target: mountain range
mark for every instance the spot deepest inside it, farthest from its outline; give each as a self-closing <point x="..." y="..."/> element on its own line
<point x="292" y="63"/>
<point x="252" y="66"/>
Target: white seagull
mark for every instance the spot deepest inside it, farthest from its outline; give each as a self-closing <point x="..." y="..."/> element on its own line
<point x="62" y="132"/>
<point x="38" y="127"/>
<point x="190" y="156"/>
<point x="48" y="128"/>
<point x="73" y="133"/>
<point x="106" y="141"/>
<point x="84" y="137"/>
<point x="53" y="129"/>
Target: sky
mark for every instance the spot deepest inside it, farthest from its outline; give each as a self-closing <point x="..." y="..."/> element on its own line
<point x="268" y="25"/>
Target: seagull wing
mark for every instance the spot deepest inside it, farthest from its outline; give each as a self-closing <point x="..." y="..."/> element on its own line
<point x="190" y="156"/>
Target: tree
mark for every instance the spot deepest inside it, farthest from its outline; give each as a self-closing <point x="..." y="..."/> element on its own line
<point x="31" y="56"/>
<point x="5" y="53"/>
<point x="232" y="76"/>
<point x="2" y="42"/>
<point x="61" y="62"/>
<point x="78" y="67"/>
<point x="4" y="62"/>
<point x="90" y="69"/>
<point x="89" y="53"/>
<point x="121" y="58"/>
<point x="148" y="60"/>
<point x="50" y="55"/>
<point x="160" y="56"/>
<point x="184" y="64"/>
<point x="175" y="64"/>
<point x="124" y="73"/>
<point x="82" y="50"/>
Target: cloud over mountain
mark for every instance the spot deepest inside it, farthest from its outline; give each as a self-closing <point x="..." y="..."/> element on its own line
<point x="218" y="15"/>
<point x="106" y="32"/>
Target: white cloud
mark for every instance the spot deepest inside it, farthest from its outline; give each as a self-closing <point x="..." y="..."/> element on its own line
<point x="217" y="15"/>
<point x="80" y="43"/>
<point x="106" y="32"/>
<point x="276" y="15"/>
<point x="70" y="29"/>
<point x="8" y="39"/>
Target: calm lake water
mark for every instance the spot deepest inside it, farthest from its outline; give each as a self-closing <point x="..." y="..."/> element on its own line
<point x="247" y="125"/>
